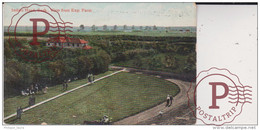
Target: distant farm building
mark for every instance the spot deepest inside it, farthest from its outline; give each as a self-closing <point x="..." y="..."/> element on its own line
<point x="68" y="43"/>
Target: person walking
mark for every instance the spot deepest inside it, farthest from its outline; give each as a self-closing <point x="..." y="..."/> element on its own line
<point x="89" y="78"/>
<point x="32" y="89"/>
<point x="33" y="100"/>
<point x="19" y="112"/>
<point x="36" y="88"/>
<point x="40" y="88"/>
<point x="30" y="101"/>
<point x="93" y="78"/>
<point x="160" y="113"/>
<point x="64" y="85"/>
<point x="27" y="91"/>
<point x="167" y="100"/>
<point x="171" y="98"/>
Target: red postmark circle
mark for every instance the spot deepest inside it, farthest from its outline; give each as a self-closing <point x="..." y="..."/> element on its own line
<point x="34" y="51"/>
<point x="218" y="96"/>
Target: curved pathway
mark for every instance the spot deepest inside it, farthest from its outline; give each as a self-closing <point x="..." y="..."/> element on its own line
<point x="147" y="117"/>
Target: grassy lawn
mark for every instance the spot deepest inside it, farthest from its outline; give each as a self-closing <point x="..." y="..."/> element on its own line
<point x="11" y="104"/>
<point x="118" y="96"/>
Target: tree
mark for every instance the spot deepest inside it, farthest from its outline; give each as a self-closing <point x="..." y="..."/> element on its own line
<point x="170" y="61"/>
<point x="125" y="27"/>
<point x="141" y="27"/>
<point x="147" y="28"/>
<point x="81" y="27"/>
<point x="93" y="28"/>
<point x="115" y="27"/>
<point x="167" y="29"/>
<point x="58" y="68"/>
<point x="13" y="76"/>
<point x="190" y="63"/>
<point x="7" y="50"/>
<point x="154" y="62"/>
<point x="154" y="27"/>
<point x="104" y="27"/>
<point x="85" y="64"/>
<point x="133" y="27"/>
<point x="101" y="62"/>
<point x="17" y="75"/>
<point x="138" y="62"/>
<point x="71" y="65"/>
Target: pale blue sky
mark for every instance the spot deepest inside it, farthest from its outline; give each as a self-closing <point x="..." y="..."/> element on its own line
<point x="145" y="14"/>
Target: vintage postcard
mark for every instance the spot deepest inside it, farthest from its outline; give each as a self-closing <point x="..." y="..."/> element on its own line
<point x="99" y="63"/>
<point x="79" y="63"/>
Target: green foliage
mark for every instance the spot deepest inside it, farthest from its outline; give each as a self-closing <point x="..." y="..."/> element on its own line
<point x="162" y="53"/>
<point x="85" y="64"/>
<point x="138" y="61"/>
<point x="58" y="68"/>
<point x="102" y="62"/>
<point x="68" y="64"/>
<point x="170" y="61"/>
<point x="190" y="63"/>
<point x="17" y="76"/>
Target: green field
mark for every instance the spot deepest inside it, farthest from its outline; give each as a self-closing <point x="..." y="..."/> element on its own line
<point x="118" y="96"/>
<point x="10" y="104"/>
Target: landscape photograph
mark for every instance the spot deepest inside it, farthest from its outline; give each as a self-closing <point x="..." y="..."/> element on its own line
<point x="98" y="63"/>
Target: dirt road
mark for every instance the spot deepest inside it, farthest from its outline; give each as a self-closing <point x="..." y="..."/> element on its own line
<point x="177" y="113"/>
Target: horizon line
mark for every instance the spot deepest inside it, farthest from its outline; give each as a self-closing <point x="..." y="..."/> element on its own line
<point x="111" y="25"/>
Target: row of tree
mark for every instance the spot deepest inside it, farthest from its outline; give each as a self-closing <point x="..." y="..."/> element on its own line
<point x="125" y="27"/>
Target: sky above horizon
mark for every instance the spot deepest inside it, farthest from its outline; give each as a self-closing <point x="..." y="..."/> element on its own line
<point x="138" y="14"/>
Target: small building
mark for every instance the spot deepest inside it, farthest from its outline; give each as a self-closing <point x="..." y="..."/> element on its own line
<point x="68" y="43"/>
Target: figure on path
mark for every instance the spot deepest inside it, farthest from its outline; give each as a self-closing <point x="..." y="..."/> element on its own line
<point x="30" y="101"/>
<point x="19" y="112"/>
<point x="31" y="90"/>
<point x="171" y="98"/>
<point x="64" y="85"/>
<point x="105" y="120"/>
<point x="93" y="78"/>
<point x="89" y="78"/>
<point x="167" y="101"/>
<point x="33" y="100"/>
<point x="36" y="88"/>
<point x="160" y="113"/>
